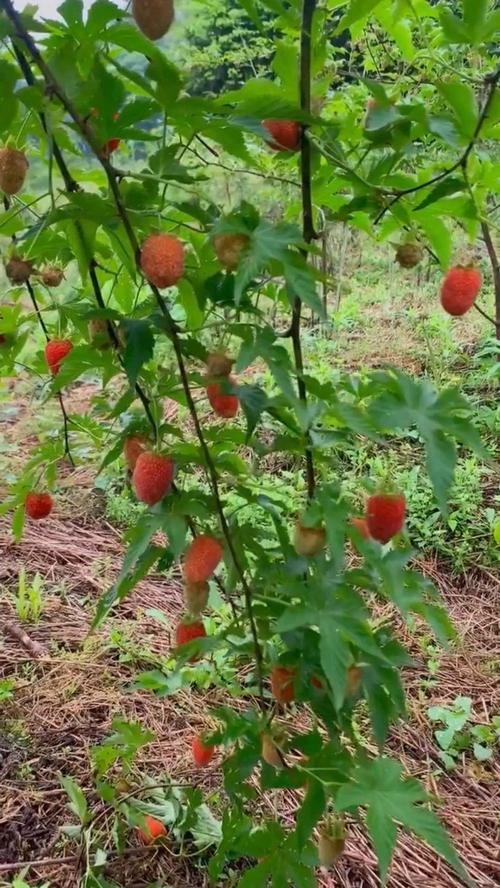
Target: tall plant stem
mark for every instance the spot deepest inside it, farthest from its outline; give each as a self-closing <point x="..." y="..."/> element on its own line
<point x="307" y="218"/>
<point x="170" y="326"/>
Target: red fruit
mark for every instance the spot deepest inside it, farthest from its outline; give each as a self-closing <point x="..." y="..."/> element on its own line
<point x="201" y="558"/>
<point x="133" y="446"/>
<point x="186" y="632"/>
<point x="224" y="405"/>
<point x="154" y="829"/>
<point x="111" y="146"/>
<point x="385" y="515"/>
<point x="282" y="684"/>
<point x="202" y="753"/>
<point x="459" y="289"/>
<point x="162" y="259"/>
<point x="38" y="505"/>
<point x="55" y="352"/>
<point x="152" y="478"/>
<point x="285" y="134"/>
<point x="361" y="526"/>
<point x="317" y="683"/>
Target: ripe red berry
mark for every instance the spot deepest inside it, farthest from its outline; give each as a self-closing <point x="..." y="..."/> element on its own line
<point x="188" y="631"/>
<point x="162" y="259"/>
<point x="153" y="829"/>
<point x="133" y="446"/>
<point x="459" y="289"/>
<point x="285" y="134"/>
<point x="202" y="753"/>
<point x="38" y="505"/>
<point x="224" y="405"/>
<point x="55" y="352"/>
<point x="153" y="476"/>
<point x="282" y="687"/>
<point x="201" y="558"/>
<point x="385" y="515"/>
<point x="111" y="145"/>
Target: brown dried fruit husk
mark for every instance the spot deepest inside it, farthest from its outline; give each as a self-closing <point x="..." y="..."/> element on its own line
<point x="270" y="752"/>
<point x="99" y="333"/>
<point x="153" y="17"/>
<point x="219" y="364"/>
<point x="229" y="247"/>
<point x="354" y="676"/>
<point x="196" y="597"/>
<point x="308" y="540"/>
<point x="409" y="255"/>
<point x="13" y="169"/>
<point x="19" y="270"/>
<point x="52" y="276"/>
<point x="329" y="849"/>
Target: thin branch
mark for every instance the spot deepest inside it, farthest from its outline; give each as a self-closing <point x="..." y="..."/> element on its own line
<point x="495" y="267"/>
<point x="171" y="327"/>
<point x="67" y="448"/>
<point x="307" y="218"/>
<point x="463" y="159"/>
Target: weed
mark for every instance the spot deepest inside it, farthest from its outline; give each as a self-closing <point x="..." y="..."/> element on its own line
<point x="7" y="686"/>
<point x="457" y="737"/>
<point x="28" y="599"/>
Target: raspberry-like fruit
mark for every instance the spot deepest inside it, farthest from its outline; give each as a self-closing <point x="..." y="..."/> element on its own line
<point x="196" y="597"/>
<point x="153" y="17"/>
<point x="162" y="259"/>
<point x="459" y="289"/>
<point x="202" y="753"/>
<point x="19" y="270"/>
<point x="282" y="678"/>
<point x="187" y="631"/>
<point x="133" y="446"/>
<point x="409" y="255"/>
<point x="153" y="829"/>
<point x="308" y="540"/>
<point x="385" y="515"/>
<point x="152" y="478"/>
<point x="38" y="505"/>
<point x="52" y="276"/>
<point x="55" y="352"/>
<point x="229" y="247"/>
<point x="224" y="405"/>
<point x="285" y="134"/>
<point x="13" y="169"/>
<point x="201" y="558"/>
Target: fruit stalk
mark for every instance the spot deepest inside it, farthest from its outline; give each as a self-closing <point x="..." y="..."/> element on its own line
<point x="171" y="328"/>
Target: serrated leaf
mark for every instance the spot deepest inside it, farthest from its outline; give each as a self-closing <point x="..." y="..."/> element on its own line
<point x="139" y="347"/>
<point x="77" y="800"/>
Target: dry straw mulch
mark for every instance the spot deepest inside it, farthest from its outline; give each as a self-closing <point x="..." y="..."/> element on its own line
<point x="65" y="701"/>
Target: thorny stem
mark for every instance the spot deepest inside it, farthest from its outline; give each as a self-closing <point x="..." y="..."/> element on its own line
<point x="43" y="325"/>
<point x="170" y="325"/>
<point x="307" y="218"/>
<point x="495" y="266"/>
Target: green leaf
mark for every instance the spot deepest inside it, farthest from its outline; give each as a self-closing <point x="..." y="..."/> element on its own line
<point x="358" y="9"/>
<point x="378" y="786"/>
<point x="461" y="98"/>
<point x="9" y="103"/>
<point x="253" y="401"/>
<point x="77" y="800"/>
<point x="139" y="347"/>
<point x="334" y="654"/>
<point x="310" y="811"/>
